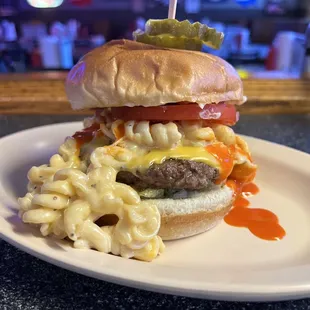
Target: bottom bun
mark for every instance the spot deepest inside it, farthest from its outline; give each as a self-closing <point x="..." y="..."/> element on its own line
<point x="200" y="212"/>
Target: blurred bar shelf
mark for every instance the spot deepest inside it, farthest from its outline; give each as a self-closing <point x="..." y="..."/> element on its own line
<point x="44" y="93"/>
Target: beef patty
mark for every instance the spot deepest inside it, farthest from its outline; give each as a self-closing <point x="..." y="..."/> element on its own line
<point x="172" y="174"/>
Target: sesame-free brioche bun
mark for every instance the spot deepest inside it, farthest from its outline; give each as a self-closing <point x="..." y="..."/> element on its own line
<point x="129" y="73"/>
<point x="182" y="218"/>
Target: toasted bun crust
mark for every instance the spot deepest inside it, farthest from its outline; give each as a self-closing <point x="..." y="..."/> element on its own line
<point x="182" y="218"/>
<point x="128" y="73"/>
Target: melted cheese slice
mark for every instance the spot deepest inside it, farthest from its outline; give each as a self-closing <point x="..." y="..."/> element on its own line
<point x="199" y="154"/>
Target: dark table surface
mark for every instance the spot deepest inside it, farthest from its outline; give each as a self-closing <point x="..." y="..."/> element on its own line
<point x="29" y="283"/>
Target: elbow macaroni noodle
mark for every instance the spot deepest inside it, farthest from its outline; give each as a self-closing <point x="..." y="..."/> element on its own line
<point x="154" y="136"/>
<point x="67" y="202"/>
<point x="196" y="135"/>
<point x="68" y="196"/>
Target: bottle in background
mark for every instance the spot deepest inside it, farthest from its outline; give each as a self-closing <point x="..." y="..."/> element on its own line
<point x="306" y="62"/>
<point x="66" y="52"/>
<point x="35" y="56"/>
<point x="50" y="52"/>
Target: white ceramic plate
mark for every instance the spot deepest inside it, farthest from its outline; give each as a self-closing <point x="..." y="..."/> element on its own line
<point x="226" y="263"/>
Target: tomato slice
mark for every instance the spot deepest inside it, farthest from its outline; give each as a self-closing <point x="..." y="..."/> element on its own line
<point x="212" y="113"/>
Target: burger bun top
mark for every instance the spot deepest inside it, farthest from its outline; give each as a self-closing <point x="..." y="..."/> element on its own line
<point x="129" y="73"/>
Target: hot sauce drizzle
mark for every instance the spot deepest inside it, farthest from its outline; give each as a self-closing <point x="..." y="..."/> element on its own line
<point x="262" y="223"/>
<point x="241" y="202"/>
<point x="87" y="134"/>
<point x="224" y="155"/>
<point x="119" y="131"/>
<point x="249" y="190"/>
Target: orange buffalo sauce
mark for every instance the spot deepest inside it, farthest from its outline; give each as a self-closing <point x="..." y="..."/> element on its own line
<point x="241" y="202"/>
<point x="249" y="190"/>
<point x="262" y="223"/>
<point x="119" y="131"/>
<point x="225" y="157"/>
<point x="87" y="134"/>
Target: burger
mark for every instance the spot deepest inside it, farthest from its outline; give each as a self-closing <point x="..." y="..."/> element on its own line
<point x="157" y="160"/>
<point x="172" y="109"/>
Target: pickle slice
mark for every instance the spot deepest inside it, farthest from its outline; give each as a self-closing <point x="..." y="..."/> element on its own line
<point x="166" y="40"/>
<point x="152" y="193"/>
<point x="175" y="34"/>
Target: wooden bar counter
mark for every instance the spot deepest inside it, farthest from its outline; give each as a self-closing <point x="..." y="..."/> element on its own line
<point x="43" y="93"/>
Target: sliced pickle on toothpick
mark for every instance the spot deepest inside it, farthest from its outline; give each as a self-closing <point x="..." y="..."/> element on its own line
<point x="183" y="35"/>
<point x="168" y="41"/>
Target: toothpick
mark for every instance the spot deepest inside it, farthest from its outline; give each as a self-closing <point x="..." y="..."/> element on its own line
<point x="172" y="8"/>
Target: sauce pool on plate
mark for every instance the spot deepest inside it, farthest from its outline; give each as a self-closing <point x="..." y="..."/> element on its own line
<point x="262" y="223"/>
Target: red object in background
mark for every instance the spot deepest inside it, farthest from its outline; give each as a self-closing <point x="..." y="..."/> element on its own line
<point x="36" y="60"/>
<point x="81" y="2"/>
<point x="270" y="63"/>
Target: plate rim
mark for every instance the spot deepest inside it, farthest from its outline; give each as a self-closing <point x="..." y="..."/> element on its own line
<point x="230" y="294"/>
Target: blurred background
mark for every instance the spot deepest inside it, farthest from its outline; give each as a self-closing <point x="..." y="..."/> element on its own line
<point x="262" y="37"/>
